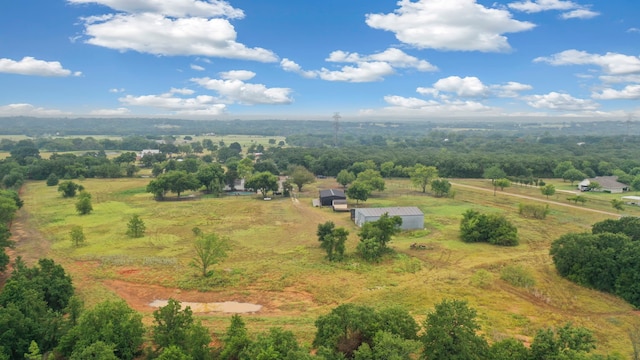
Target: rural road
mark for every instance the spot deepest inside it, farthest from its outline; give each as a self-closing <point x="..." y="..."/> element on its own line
<point x="538" y="199"/>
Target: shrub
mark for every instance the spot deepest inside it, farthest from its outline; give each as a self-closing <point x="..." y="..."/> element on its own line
<point x="481" y="279"/>
<point x="492" y="228"/>
<point x="517" y="275"/>
<point x="533" y="211"/>
<point x="52" y="180"/>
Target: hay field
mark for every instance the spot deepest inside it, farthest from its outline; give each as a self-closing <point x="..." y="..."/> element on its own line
<point x="275" y="260"/>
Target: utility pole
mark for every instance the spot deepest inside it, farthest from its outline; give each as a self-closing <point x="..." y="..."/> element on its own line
<point x="336" y="128"/>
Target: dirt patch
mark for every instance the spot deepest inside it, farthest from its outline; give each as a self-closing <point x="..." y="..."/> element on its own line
<point x="143" y="297"/>
<point x="229" y="307"/>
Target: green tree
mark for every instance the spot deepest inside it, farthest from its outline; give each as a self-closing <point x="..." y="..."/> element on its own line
<point x="375" y="236"/>
<point x="77" y="235"/>
<point x="235" y="339"/>
<point x="573" y="175"/>
<point x="421" y="175"/>
<point x="567" y="342"/>
<point x="300" y="176"/>
<point x="8" y="209"/>
<point x="83" y="204"/>
<point x="112" y="322"/>
<point x="440" y="187"/>
<point x="502" y="183"/>
<point x="52" y="180"/>
<point x="135" y="227"/>
<point x="509" y="349"/>
<point x="69" y="188"/>
<point x="158" y="187"/>
<point x="492" y="228"/>
<point x="332" y="240"/>
<point x="494" y="173"/>
<point x="179" y="181"/>
<point x="210" y="249"/>
<point x="372" y="178"/>
<point x="345" y="177"/>
<point x="345" y="328"/>
<point x="264" y="182"/>
<point x="387" y="346"/>
<point x="174" y="326"/>
<point x="451" y="332"/>
<point x="98" y="350"/>
<point x="275" y="344"/>
<point x="561" y="168"/>
<point x="359" y="191"/>
<point x="548" y="190"/>
<point x="211" y="177"/>
<point x="245" y="168"/>
<point x="34" y="352"/>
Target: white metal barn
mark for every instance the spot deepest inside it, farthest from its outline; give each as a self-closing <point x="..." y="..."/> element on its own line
<point x="412" y="217"/>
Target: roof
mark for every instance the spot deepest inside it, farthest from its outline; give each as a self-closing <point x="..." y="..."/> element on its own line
<point x="636" y="198"/>
<point x="339" y="202"/>
<point x="608" y="182"/>
<point x="332" y="192"/>
<point x="392" y="211"/>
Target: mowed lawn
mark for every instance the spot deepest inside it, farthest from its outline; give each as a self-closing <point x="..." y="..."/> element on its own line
<point x="275" y="259"/>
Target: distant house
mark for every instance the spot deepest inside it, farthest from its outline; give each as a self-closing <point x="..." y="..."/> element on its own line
<point x="412" y="217"/>
<point x="608" y="184"/>
<point x="144" y="152"/>
<point x="327" y="196"/>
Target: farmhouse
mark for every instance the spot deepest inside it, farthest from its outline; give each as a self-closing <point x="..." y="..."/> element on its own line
<point x="327" y="196"/>
<point x="608" y="184"/>
<point x="144" y="152"/>
<point x="412" y="217"/>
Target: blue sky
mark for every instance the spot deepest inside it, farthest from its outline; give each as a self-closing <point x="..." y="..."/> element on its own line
<point x="285" y="59"/>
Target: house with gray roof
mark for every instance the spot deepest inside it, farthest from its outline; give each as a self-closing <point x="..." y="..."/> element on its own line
<point x="608" y="184"/>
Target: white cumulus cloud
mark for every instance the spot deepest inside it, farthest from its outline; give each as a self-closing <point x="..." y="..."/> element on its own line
<point x="234" y="90"/>
<point x="23" y="109"/>
<point x="629" y="92"/>
<point x="449" y="25"/>
<point x="32" y="66"/>
<point x="573" y="10"/>
<point x="110" y="112"/>
<point x="611" y="63"/>
<point x="561" y="102"/>
<point x="394" y="57"/>
<point x="173" y="8"/>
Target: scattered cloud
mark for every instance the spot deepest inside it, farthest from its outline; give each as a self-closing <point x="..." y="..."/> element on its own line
<point x="471" y="87"/>
<point x="560" y="102"/>
<point x="633" y="30"/>
<point x="174" y="8"/>
<point x="29" y="110"/>
<point x="572" y="10"/>
<point x="171" y="28"/>
<point x="232" y="88"/>
<point x="110" y="112"/>
<point x="115" y="90"/>
<point x="179" y="105"/>
<point x="367" y="68"/>
<point x="32" y="66"/>
<point x="292" y="66"/>
<point x="617" y="79"/>
<point x="580" y="14"/>
<point x="196" y="67"/>
<point x="630" y="92"/>
<point x="611" y="63"/>
<point x="450" y="25"/>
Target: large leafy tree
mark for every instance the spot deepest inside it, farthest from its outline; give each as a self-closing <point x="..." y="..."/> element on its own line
<point x="345" y="328"/>
<point x="180" y="181"/>
<point x="174" y="326"/>
<point x="372" y="178"/>
<point x="440" y="187"/>
<point x="345" y="177"/>
<point x="451" y="332"/>
<point x="112" y="322"/>
<point x="69" y="188"/>
<point x="421" y="175"/>
<point x="209" y="250"/>
<point x="359" y="191"/>
<point x="83" y="204"/>
<point x="264" y="182"/>
<point x="211" y="177"/>
<point x="300" y="176"/>
<point x="235" y="339"/>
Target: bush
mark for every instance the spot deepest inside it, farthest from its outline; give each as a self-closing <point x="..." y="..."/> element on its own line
<point x="492" y="228"/>
<point x="517" y="275"/>
<point x="481" y="279"/>
<point x="533" y="211"/>
<point x="52" y="180"/>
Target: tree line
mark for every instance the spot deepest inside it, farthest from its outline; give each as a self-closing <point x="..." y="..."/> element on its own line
<point x="41" y="317"/>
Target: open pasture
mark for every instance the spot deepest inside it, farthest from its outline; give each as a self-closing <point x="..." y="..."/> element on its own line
<point x="275" y="260"/>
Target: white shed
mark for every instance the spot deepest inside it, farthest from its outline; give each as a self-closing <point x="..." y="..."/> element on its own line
<point x="412" y="217"/>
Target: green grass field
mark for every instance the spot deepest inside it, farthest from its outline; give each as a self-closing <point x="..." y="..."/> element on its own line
<point x="275" y="259"/>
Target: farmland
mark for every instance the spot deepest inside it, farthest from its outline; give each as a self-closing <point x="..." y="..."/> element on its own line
<point x="275" y="260"/>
